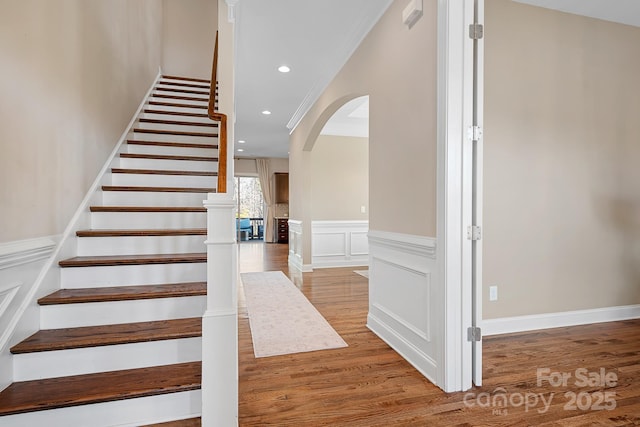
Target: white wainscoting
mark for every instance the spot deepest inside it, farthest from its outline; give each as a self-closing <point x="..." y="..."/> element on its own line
<point x="402" y="297"/>
<point x="20" y="264"/>
<point x="295" y="247"/>
<point x="339" y="244"/>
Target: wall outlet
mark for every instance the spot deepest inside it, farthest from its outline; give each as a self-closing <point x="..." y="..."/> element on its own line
<point x="493" y="293"/>
<point x="363" y="209"/>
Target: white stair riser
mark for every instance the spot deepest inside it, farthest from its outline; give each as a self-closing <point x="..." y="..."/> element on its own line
<point x="150" y="198"/>
<point x="184" y="165"/>
<point x="178" y="127"/>
<point x="167" y="116"/>
<point x="59" y="363"/>
<point x="122" y="413"/>
<point x="144" y="220"/>
<point x="140" y="245"/>
<point x="202" y="102"/>
<point x="178" y="109"/>
<point x="201" y="97"/>
<point x="122" y="275"/>
<point x="172" y="151"/>
<point x="141" y="136"/>
<point x="119" y="312"/>
<point x="157" y="180"/>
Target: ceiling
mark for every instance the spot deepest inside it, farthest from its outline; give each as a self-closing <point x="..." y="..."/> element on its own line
<point x="621" y="11"/>
<point x="315" y="38"/>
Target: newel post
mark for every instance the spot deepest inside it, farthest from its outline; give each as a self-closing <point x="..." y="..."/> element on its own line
<point x="220" y="321"/>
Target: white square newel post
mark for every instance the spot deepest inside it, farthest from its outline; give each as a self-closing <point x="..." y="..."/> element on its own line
<point x="220" y="321"/>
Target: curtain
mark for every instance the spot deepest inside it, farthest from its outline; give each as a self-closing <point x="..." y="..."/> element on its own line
<point x="262" y="165"/>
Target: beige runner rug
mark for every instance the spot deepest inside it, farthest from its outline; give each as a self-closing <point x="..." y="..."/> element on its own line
<point x="282" y="319"/>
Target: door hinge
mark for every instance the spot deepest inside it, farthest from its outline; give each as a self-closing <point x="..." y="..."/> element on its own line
<point x="474" y="133"/>
<point x="474" y="333"/>
<point x="476" y="31"/>
<point x="474" y="232"/>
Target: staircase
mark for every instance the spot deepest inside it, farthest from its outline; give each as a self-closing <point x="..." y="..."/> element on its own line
<point x="120" y="343"/>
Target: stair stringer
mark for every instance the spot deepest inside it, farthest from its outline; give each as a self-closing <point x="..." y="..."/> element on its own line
<point x="26" y="319"/>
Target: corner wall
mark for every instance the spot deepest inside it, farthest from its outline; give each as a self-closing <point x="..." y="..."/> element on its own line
<point x="396" y="67"/>
<point x="73" y="74"/>
<point x="189" y="32"/>
<point x="562" y="206"/>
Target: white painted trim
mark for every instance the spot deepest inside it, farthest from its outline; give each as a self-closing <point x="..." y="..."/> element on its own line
<point x="20" y="252"/>
<point x="67" y="242"/>
<point x="295" y="262"/>
<point x="337" y="235"/>
<point x="295" y="247"/>
<point x="7" y="294"/>
<point x="407" y="243"/>
<point x="508" y="325"/>
<point x="413" y="330"/>
<point x="454" y="108"/>
<point x="359" y="31"/>
<point x="417" y="358"/>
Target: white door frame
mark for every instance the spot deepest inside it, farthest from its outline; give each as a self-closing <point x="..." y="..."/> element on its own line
<point x="455" y="189"/>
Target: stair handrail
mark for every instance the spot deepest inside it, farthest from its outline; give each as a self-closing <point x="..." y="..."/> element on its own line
<point x="218" y="117"/>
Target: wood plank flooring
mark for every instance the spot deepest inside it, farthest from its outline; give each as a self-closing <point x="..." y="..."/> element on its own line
<point x="369" y="384"/>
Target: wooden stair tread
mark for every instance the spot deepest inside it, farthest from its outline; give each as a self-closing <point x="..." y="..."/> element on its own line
<point x="189" y="422"/>
<point x="196" y="85"/>
<point x="176" y="132"/>
<point x="113" y="260"/>
<point x="163" y="209"/>
<point x="124" y="293"/>
<point x="181" y="98"/>
<point x="150" y="232"/>
<point x="175" y="104"/>
<point x="96" y="336"/>
<point x="158" y="189"/>
<point x="51" y="393"/>
<point x="163" y="172"/>
<point x="168" y="157"/>
<point x="189" y="79"/>
<point x="175" y="113"/>
<point x="190" y="91"/>
<point x="172" y="144"/>
<point x="178" y="122"/>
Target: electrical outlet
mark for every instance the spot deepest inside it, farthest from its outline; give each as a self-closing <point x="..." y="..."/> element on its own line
<point x="363" y="209"/>
<point x="493" y="293"/>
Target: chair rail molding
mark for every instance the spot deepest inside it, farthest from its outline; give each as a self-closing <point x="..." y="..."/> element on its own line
<point x="20" y="252"/>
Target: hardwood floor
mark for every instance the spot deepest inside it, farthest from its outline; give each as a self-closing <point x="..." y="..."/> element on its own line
<point x="369" y="384"/>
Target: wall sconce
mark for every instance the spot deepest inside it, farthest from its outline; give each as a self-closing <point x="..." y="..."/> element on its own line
<point x="412" y="13"/>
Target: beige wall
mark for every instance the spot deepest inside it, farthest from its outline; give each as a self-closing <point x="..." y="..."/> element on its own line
<point x="340" y="178"/>
<point x="396" y="67"/>
<point x="562" y="206"/>
<point x="189" y="30"/>
<point x="73" y="73"/>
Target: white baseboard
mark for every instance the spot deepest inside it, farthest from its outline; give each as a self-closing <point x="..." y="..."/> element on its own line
<point x="421" y="361"/>
<point x="507" y="325"/>
<point x="296" y="262"/>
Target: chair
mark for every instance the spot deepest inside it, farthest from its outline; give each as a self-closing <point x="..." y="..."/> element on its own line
<point x="244" y="229"/>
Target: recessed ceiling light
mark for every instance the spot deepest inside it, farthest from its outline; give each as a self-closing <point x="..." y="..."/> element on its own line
<point x="266" y="112"/>
<point x="284" y="69"/>
<point x="240" y="150"/>
<point x="242" y="141"/>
